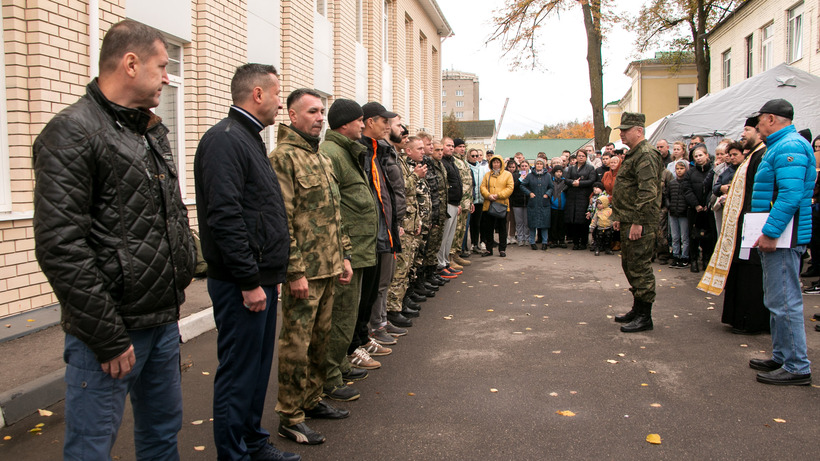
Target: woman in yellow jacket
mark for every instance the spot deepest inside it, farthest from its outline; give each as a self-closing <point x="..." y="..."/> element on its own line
<point x="496" y="187"/>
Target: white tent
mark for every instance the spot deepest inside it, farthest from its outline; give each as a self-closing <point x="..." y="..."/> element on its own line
<point x="723" y="114"/>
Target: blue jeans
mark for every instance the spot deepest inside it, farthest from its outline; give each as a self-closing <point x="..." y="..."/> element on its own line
<point x="679" y="228"/>
<point x="94" y="400"/>
<point x="244" y="346"/>
<point x="783" y="296"/>
<point x="534" y="234"/>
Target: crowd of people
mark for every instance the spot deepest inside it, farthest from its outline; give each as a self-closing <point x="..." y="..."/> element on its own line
<point x="359" y="228"/>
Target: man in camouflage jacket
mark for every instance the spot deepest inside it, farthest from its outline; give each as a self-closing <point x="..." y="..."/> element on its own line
<point x="457" y="252"/>
<point x="636" y="207"/>
<point x="319" y="252"/>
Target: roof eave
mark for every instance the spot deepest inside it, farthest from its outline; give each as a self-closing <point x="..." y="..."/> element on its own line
<point x="434" y="12"/>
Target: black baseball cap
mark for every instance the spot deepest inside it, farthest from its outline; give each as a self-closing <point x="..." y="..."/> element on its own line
<point x="373" y="109"/>
<point x="779" y="107"/>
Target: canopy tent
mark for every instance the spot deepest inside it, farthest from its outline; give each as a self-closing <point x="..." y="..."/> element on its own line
<point x="723" y="114"/>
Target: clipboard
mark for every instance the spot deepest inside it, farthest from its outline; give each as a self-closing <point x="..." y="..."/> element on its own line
<point x="753" y="228"/>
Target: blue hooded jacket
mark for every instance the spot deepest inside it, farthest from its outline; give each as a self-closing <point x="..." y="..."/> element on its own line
<point x="784" y="184"/>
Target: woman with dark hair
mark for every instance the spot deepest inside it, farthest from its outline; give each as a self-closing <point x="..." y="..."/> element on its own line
<point x="579" y="179"/>
<point x="515" y="198"/>
<point x="496" y="188"/>
<point x="518" y="203"/>
<point x="538" y="186"/>
<point x="701" y="220"/>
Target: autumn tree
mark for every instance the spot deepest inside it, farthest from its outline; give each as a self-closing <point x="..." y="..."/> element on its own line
<point x="451" y="128"/>
<point x="516" y="27"/>
<point x="681" y="26"/>
<point x="561" y="130"/>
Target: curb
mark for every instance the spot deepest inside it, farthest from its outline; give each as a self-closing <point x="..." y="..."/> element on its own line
<point x="45" y="391"/>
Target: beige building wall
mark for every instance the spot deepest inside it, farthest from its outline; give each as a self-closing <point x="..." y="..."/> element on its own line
<point x="46" y="54"/>
<point x="451" y="83"/>
<point x="750" y="20"/>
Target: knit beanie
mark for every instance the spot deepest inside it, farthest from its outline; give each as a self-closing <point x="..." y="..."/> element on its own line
<point x="343" y="111"/>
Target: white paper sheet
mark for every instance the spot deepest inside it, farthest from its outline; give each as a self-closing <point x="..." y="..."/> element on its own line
<point x="753" y="228"/>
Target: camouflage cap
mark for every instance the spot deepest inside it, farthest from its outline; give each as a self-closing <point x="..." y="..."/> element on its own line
<point x="630" y="119"/>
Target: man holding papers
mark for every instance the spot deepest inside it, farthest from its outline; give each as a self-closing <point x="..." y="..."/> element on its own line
<point x="783" y="188"/>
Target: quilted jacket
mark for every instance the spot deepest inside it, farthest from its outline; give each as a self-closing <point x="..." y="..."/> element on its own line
<point x="110" y="228"/>
<point x="787" y="167"/>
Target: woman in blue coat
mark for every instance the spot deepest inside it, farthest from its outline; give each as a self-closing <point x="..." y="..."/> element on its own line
<point x="538" y="185"/>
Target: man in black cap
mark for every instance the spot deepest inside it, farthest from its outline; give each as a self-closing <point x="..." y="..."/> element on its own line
<point x="636" y="206"/>
<point x="783" y="188"/>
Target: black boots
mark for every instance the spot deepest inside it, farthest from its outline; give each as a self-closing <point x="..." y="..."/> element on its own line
<point x="629" y="316"/>
<point x="643" y="319"/>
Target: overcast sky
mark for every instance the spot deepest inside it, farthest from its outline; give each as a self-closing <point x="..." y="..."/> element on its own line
<point x="558" y="93"/>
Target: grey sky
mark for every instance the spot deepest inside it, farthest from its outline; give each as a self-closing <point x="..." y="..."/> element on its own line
<point x="559" y="93"/>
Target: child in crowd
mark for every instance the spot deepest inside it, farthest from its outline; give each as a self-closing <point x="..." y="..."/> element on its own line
<point x="558" y="230"/>
<point x="675" y="202"/>
<point x="602" y="226"/>
<point x="597" y="192"/>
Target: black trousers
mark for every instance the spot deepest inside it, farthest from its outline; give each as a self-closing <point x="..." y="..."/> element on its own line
<point x="475" y="224"/>
<point x="558" y="228"/>
<point x="490" y="225"/>
<point x="370" y="291"/>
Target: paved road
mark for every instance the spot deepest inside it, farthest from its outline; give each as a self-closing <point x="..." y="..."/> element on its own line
<point x="545" y="347"/>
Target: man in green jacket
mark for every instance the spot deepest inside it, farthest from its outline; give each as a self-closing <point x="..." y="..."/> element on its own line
<point x="360" y="219"/>
<point x="636" y="209"/>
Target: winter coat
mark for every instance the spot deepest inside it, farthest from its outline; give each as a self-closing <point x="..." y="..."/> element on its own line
<point x="674" y="199"/>
<point x="387" y="239"/>
<point x="578" y="197"/>
<point x="110" y="230"/>
<point x="723" y="179"/>
<point x="454" y="186"/>
<point x="538" y="207"/>
<point x="695" y="188"/>
<point x="558" y="200"/>
<point x="360" y="217"/>
<point x="786" y="169"/>
<point x="500" y="184"/>
<point x="603" y="217"/>
<point x="519" y="197"/>
<point x="608" y="179"/>
<point x="389" y="159"/>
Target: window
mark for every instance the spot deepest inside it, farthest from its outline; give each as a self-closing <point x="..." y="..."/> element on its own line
<point x="767" y="48"/>
<point x="171" y="107"/>
<point x="359" y="21"/>
<point x="727" y="68"/>
<point x="443" y="103"/>
<point x="459" y="92"/>
<point x="321" y="7"/>
<point x="459" y="114"/>
<point x="686" y="94"/>
<point x="749" y="55"/>
<point x="795" y="33"/>
<point x="443" y="93"/>
<point x="459" y="103"/>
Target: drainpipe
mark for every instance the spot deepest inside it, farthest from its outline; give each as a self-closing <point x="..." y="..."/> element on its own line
<point x="93" y="38"/>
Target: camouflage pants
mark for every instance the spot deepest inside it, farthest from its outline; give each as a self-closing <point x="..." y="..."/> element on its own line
<point x="635" y="261"/>
<point x="433" y="245"/>
<point x="401" y="277"/>
<point x="662" y="239"/>
<point x="343" y="321"/>
<point x="302" y="348"/>
<point x="461" y="228"/>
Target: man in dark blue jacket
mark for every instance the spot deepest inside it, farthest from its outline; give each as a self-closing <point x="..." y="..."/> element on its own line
<point x="783" y="188"/>
<point x="245" y="241"/>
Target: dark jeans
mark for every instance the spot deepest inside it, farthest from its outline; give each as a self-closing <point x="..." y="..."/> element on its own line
<point x="370" y="291"/>
<point x="489" y="225"/>
<point x="245" y="343"/>
<point x="558" y="229"/>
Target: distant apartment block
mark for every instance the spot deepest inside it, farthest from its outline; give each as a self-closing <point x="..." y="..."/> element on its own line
<point x="459" y="95"/>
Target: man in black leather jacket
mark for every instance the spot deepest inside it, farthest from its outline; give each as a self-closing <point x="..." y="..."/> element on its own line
<point x="112" y="238"/>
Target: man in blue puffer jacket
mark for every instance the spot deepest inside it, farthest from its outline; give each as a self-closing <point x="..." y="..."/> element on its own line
<point x="783" y="187"/>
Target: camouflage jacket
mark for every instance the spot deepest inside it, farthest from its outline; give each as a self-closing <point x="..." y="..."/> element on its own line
<point x="360" y="217"/>
<point x="442" y="190"/>
<point x="636" y="196"/>
<point x="310" y="191"/>
<point x="466" y="183"/>
<point x="412" y="220"/>
<point x="433" y="178"/>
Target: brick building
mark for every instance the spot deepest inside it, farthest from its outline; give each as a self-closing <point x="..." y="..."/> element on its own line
<point x="385" y="50"/>
<point x="459" y="95"/>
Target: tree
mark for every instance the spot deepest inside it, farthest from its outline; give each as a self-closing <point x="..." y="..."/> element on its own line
<point x="451" y="128"/>
<point x="561" y="130"/>
<point x="516" y="27"/>
<point x="682" y="26"/>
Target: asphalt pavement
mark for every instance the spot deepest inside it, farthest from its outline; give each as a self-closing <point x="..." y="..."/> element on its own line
<point x="502" y="349"/>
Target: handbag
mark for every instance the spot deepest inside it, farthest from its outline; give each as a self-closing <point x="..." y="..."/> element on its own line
<point x="497" y="210"/>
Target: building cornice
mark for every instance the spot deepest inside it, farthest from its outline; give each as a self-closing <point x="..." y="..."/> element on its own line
<point x="434" y="12"/>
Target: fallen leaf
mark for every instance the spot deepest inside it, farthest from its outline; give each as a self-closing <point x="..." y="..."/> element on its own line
<point x="644" y="385"/>
<point x="490" y="310"/>
<point x="565" y="413"/>
<point x="515" y="283"/>
<point x="449" y="317"/>
<point x="582" y="323"/>
<point x="573" y="392"/>
<point x="553" y="394"/>
<point x="40" y="425"/>
<point x="44" y="412"/>
<point x="8" y="437"/>
<point x="643" y="347"/>
<point x="199" y="448"/>
<point x="675" y="316"/>
<point x="744" y="345"/>
<point x="493" y="390"/>
<point x="539" y="296"/>
<point x="517" y="333"/>
<point x="528" y="329"/>
<point x="206" y="373"/>
<point x="779" y="420"/>
<point x="609" y="316"/>
<point x="611" y="361"/>
<point x="556" y="352"/>
<point x="30" y="320"/>
<point x="710" y="308"/>
<point x="8" y="325"/>
<point x="197" y="422"/>
<point x="411" y="394"/>
<point x="654" y="439"/>
<point x="36" y="429"/>
<point x="655" y="405"/>
<point x="652" y="371"/>
<point x="512" y="320"/>
<point x="621" y="355"/>
<point x="617" y="284"/>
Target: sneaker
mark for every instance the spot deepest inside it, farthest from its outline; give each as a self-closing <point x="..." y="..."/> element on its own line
<point x="270" y="453"/>
<point x="815" y="290"/>
<point x="683" y="263"/>
<point x="394" y="330"/>
<point x="453" y="270"/>
<point x="382" y="337"/>
<point x="376" y="349"/>
<point x="355" y="374"/>
<point x="361" y="359"/>
<point x="341" y="393"/>
<point x="301" y="433"/>
<point x="446" y="275"/>
<point x="482" y="246"/>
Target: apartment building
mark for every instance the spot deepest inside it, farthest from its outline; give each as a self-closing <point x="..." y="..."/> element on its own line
<point x="459" y="95"/>
<point x="384" y="50"/>
<point x="760" y="34"/>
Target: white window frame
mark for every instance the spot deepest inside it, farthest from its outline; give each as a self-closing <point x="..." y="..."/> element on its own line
<point x="767" y="47"/>
<point x="178" y="82"/>
<point x="750" y="43"/>
<point x="443" y="103"/>
<point x="443" y="93"/>
<point x="459" y="103"/>
<point x="459" y="114"/>
<point x="726" y="58"/>
<point x="459" y="92"/>
<point x="794" y="33"/>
